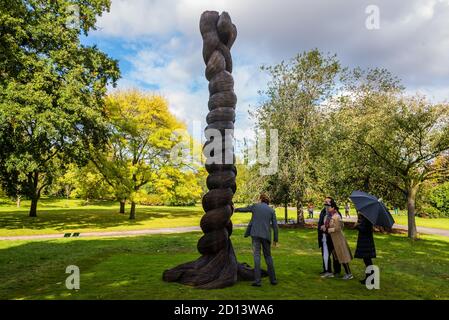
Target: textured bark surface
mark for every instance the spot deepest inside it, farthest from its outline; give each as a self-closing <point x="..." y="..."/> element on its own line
<point x="217" y="267"/>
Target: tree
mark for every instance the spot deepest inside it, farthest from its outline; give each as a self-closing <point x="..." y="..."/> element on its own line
<point x="66" y="181"/>
<point x="51" y="91"/>
<point x="439" y="198"/>
<point x="295" y="95"/>
<point x="178" y="186"/>
<point x="86" y="183"/>
<point x="248" y="183"/>
<point x="140" y="143"/>
<point x="394" y="136"/>
<point x="437" y="195"/>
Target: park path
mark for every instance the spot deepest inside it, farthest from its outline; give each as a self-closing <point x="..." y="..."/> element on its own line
<point x="130" y="233"/>
<point x="124" y="233"/>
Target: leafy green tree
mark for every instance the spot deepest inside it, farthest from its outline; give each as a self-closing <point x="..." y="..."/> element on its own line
<point x="178" y="186"/>
<point x="395" y="137"/>
<point x="295" y="96"/>
<point x="341" y="168"/>
<point x="244" y="182"/>
<point x="91" y="185"/>
<point x="81" y="182"/>
<point x="65" y="181"/>
<point x="433" y="198"/>
<point x="51" y="91"/>
<point x="140" y="143"/>
<point x="439" y="198"/>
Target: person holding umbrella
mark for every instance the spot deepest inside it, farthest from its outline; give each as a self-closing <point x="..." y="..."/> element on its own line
<point x="371" y="212"/>
<point x="365" y="249"/>
<point x="333" y="226"/>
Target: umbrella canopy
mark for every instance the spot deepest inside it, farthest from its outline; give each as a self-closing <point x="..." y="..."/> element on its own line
<point x="372" y="208"/>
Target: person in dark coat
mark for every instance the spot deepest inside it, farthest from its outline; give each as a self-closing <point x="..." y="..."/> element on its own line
<point x="365" y="249"/>
<point x="326" y="256"/>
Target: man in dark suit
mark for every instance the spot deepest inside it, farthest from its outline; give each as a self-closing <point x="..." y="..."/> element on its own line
<point x="328" y="246"/>
<point x="262" y="220"/>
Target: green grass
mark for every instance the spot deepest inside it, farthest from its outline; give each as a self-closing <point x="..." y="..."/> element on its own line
<point x="440" y="223"/>
<point x="400" y="219"/>
<point x="60" y="216"/>
<point x="131" y="268"/>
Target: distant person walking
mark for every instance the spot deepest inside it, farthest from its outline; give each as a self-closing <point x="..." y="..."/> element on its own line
<point x="334" y="226"/>
<point x="310" y="208"/>
<point x="365" y="249"/>
<point x="263" y="217"/>
<point x="347" y="215"/>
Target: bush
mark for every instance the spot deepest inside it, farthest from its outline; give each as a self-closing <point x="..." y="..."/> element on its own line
<point x="429" y="212"/>
<point x="150" y="199"/>
<point x="439" y="199"/>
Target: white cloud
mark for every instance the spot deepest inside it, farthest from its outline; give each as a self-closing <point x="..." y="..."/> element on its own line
<point x="165" y="44"/>
<point x="176" y="69"/>
<point x="134" y="18"/>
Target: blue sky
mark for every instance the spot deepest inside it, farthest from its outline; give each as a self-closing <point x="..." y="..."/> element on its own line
<point x="158" y="45"/>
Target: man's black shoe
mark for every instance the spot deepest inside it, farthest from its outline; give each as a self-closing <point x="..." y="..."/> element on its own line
<point x="274" y="283"/>
<point x="256" y="284"/>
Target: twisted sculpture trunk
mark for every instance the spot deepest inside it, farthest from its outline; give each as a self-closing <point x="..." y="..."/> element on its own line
<point x="217" y="267"/>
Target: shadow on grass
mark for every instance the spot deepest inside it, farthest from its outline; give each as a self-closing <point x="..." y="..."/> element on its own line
<point x="131" y="268"/>
<point x="49" y="202"/>
<point x="79" y="218"/>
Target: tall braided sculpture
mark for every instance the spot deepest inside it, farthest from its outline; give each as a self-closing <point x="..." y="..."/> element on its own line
<point x="217" y="267"/>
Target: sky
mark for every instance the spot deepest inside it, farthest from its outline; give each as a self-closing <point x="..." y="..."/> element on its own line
<point x="158" y="45"/>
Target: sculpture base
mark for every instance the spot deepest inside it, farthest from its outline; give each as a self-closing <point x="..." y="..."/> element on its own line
<point x="212" y="271"/>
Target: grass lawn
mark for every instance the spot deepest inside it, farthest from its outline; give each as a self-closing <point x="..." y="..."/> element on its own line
<point x="131" y="268"/>
<point x="401" y="219"/>
<point x="440" y="223"/>
<point x="60" y="215"/>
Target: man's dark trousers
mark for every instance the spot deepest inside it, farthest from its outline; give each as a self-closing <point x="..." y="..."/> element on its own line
<point x="266" y="246"/>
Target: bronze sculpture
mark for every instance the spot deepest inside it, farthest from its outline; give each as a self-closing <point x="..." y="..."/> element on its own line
<point x="217" y="267"/>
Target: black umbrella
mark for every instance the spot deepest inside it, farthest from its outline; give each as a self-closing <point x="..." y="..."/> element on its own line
<point x="372" y="208"/>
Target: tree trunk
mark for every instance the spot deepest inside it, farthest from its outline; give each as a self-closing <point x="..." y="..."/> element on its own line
<point x="300" y="213"/>
<point x="19" y="197"/>
<point x="132" y="213"/>
<point x="67" y="192"/>
<point x="217" y="267"/>
<point x="286" y="211"/>
<point x="33" y="208"/>
<point x="411" y="198"/>
<point x="33" y="181"/>
<point x="122" y="206"/>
